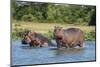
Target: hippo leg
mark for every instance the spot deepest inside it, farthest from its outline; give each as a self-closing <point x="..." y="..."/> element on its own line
<point x="65" y="45"/>
<point x="30" y="45"/>
<point x="38" y="45"/>
<point x="59" y="44"/>
<point x="81" y="44"/>
<point x="71" y="45"/>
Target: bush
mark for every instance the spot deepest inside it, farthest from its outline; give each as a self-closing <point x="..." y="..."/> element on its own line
<point x="49" y="34"/>
<point x="16" y="25"/>
<point x="90" y="36"/>
<point x="18" y="33"/>
<point x="28" y="18"/>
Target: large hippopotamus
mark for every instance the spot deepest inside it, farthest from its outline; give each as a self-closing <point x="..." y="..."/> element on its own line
<point x="68" y="38"/>
<point x="35" y="39"/>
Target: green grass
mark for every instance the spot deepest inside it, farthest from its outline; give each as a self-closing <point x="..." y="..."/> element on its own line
<point x="44" y="27"/>
<point x="47" y="28"/>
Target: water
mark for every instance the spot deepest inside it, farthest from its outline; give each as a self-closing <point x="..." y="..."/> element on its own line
<point x="25" y="55"/>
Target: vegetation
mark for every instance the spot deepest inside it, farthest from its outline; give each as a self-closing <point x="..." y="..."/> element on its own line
<point x="49" y="12"/>
<point x="47" y="29"/>
<point x="42" y="17"/>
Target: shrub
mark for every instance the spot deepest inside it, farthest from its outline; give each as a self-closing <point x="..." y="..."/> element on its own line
<point x="28" y="17"/>
<point x="49" y="34"/>
<point x="18" y="33"/>
<point x="90" y="36"/>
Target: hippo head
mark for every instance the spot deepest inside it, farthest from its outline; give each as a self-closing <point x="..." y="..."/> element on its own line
<point x="28" y="36"/>
<point x="58" y="32"/>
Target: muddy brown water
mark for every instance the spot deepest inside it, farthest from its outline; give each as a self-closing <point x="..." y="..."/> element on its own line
<point x="25" y="55"/>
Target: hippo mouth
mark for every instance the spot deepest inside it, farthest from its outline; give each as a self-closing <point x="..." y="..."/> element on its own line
<point x="59" y="38"/>
<point x="24" y="42"/>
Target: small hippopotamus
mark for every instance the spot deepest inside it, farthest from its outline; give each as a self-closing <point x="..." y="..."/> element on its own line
<point x="35" y="39"/>
<point x="68" y="38"/>
<point x="38" y="42"/>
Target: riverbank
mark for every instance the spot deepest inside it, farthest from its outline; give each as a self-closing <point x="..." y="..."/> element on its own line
<point x="47" y="29"/>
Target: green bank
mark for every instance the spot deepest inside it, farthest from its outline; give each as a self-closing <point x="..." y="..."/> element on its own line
<point x="47" y="29"/>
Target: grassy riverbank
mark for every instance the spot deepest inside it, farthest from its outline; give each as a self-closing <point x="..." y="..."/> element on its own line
<point x="47" y="29"/>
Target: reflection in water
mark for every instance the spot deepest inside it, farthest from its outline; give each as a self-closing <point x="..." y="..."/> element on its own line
<point x="23" y="54"/>
<point x="27" y="47"/>
<point x="70" y="51"/>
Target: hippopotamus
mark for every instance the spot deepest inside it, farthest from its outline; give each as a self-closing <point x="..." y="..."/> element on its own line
<point x="35" y="39"/>
<point x="68" y="38"/>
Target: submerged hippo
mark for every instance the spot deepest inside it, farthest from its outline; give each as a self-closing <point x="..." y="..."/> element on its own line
<point x="68" y="37"/>
<point x="35" y="39"/>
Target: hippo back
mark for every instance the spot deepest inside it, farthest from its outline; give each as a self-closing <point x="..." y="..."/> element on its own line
<point x="73" y="35"/>
<point x="73" y="31"/>
<point x="43" y="38"/>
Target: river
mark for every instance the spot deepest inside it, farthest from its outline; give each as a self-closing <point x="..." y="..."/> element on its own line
<point x="25" y="55"/>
